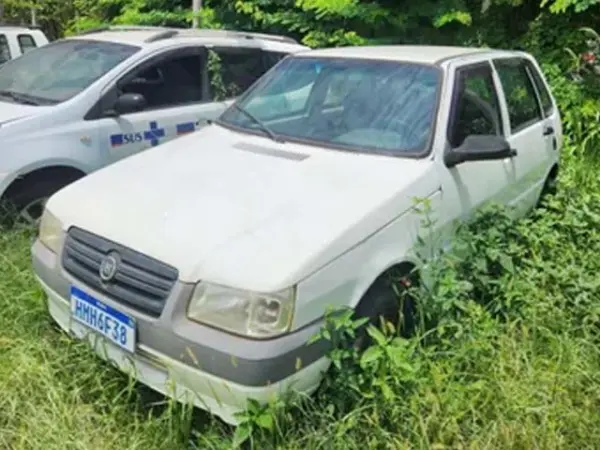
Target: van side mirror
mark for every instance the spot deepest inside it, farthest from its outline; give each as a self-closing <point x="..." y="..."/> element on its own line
<point x="129" y="103"/>
<point x="479" y="148"/>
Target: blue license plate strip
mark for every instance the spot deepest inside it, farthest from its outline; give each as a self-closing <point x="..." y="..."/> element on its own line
<point x="117" y="327"/>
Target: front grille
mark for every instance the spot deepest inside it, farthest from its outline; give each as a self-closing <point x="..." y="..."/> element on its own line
<point x="139" y="282"/>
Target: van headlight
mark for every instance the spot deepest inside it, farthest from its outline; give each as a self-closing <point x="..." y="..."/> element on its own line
<point x="51" y="231"/>
<point x="247" y="313"/>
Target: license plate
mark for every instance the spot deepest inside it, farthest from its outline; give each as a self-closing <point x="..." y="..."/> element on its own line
<point x="117" y="327"/>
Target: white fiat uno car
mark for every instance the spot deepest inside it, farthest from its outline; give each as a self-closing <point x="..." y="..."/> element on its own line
<point x="208" y="262"/>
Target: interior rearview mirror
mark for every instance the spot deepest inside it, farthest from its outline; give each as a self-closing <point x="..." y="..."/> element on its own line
<point x="479" y="148"/>
<point x="129" y="103"/>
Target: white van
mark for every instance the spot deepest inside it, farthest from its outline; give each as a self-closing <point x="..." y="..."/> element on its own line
<point x="16" y="41"/>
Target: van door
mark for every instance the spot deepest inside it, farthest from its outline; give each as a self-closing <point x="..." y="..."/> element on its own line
<point x="175" y="87"/>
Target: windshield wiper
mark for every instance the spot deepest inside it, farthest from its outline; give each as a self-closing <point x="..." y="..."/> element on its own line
<point x="258" y="122"/>
<point x="20" y="98"/>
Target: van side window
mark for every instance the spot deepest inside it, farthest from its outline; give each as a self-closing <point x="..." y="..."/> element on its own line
<point x="233" y="70"/>
<point x="169" y="82"/>
<point x="4" y="49"/>
<point x="26" y="42"/>
<point x="521" y="99"/>
<point x="475" y="108"/>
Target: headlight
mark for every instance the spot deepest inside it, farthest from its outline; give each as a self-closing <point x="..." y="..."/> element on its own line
<point x="242" y="312"/>
<point x="51" y="232"/>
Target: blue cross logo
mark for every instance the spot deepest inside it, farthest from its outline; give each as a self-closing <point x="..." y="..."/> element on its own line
<point x="153" y="134"/>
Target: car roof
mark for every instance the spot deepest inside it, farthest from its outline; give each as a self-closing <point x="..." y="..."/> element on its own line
<point x="147" y="35"/>
<point x="421" y="54"/>
<point x="17" y="28"/>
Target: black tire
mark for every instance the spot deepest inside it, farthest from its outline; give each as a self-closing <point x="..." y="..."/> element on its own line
<point x="24" y="206"/>
<point x="389" y="299"/>
<point x="550" y="188"/>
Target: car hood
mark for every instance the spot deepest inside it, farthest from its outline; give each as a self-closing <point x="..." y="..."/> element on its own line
<point x="241" y="210"/>
<point x="13" y="111"/>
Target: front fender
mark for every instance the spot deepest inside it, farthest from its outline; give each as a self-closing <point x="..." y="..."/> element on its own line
<point x="344" y="281"/>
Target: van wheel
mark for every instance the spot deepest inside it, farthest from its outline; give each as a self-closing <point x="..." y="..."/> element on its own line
<point x="388" y="298"/>
<point x="24" y="207"/>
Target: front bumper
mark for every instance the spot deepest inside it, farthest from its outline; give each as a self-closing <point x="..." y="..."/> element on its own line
<point x="215" y="371"/>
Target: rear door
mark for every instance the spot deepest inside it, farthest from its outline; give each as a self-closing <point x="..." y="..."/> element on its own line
<point x="527" y="130"/>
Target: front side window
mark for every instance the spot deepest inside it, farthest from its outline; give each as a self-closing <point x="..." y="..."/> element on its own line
<point x="476" y="109"/>
<point x="351" y="104"/>
<point x="521" y="99"/>
<point x="4" y="49"/>
<point x="168" y="82"/>
<point x="57" y="72"/>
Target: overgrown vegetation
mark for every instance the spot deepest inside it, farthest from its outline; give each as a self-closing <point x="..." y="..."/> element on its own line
<point x="510" y="354"/>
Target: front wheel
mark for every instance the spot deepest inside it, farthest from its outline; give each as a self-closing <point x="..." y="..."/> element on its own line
<point x="388" y="299"/>
<point x="25" y="206"/>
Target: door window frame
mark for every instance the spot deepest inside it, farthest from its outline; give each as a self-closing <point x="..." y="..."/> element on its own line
<point x="484" y="65"/>
<point x="100" y="109"/>
<point x="520" y="61"/>
<point x="535" y="74"/>
<point x="24" y="35"/>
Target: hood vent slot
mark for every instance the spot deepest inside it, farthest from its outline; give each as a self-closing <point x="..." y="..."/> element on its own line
<point x="270" y="152"/>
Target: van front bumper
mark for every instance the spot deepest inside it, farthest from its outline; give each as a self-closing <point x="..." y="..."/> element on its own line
<point x="188" y="362"/>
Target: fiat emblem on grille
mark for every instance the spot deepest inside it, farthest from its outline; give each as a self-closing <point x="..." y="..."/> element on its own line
<point x="108" y="267"/>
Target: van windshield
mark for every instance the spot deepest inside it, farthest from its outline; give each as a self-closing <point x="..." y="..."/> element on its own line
<point x="359" y="105"/>
<point x="58" y="71"/>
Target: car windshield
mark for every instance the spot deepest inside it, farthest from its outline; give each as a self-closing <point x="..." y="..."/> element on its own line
<point x="58" y="71"/>
<point x="352" y="104"/>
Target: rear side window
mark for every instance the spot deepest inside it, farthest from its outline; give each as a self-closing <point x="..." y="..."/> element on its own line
<point x="545" y="97"/>
<point x="26" y="42"/>
<point x="4" y="49"/>
<point x="521" y="98"/>
<point x="233" y="70"/>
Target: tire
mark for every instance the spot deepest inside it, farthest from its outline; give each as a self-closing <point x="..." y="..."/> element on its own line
<point x="388" y="298"/>
<point x="550" y="188"/>
<point x="25" y="205"/>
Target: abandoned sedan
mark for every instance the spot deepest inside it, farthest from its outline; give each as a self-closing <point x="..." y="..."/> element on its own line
<point x="207" y="263"/>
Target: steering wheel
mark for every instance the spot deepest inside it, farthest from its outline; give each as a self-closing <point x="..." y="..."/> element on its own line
<point x="485" y="108"/>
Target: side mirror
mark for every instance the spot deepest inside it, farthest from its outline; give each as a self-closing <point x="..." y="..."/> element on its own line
<point x="129" y="103"/>
<point x="479" y="148"/>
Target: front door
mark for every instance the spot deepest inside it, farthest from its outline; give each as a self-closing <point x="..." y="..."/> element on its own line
<point x="175" y="87"/>
<point x="474" y="110"/>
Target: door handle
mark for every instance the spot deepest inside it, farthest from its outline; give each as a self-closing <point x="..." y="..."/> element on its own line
<point x="548" y="131"/>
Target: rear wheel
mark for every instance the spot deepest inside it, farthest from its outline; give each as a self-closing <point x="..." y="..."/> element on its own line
<point x="550" y="186"/>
